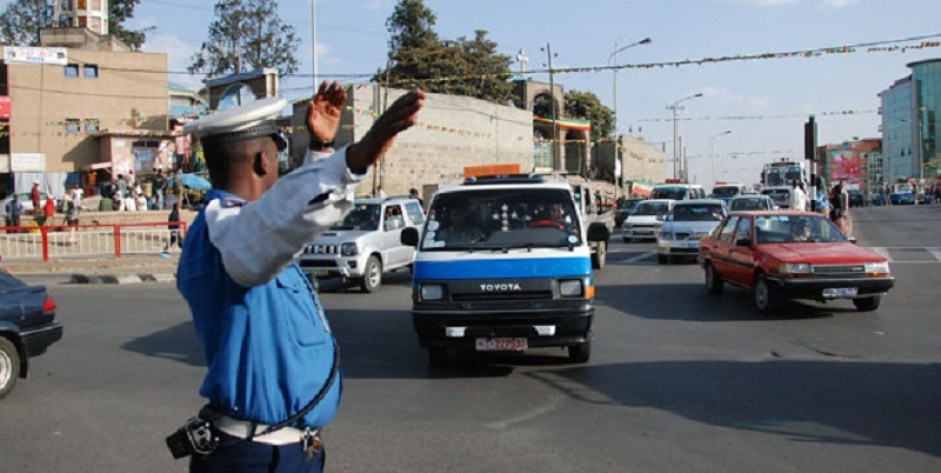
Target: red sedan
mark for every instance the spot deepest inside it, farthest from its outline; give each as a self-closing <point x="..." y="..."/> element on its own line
<point x="792" y="255"/>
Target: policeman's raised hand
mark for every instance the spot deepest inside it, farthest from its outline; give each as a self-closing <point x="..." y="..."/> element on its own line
<point x="401" y="115"/>
<point x="323" y="111"/>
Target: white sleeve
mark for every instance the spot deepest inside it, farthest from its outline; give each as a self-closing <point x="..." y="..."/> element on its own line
<point x="259" y="239"/>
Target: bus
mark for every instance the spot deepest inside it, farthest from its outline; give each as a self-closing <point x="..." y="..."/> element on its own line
<point x="783" y="173"/>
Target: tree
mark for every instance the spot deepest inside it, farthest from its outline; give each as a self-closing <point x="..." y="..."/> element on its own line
<point x="21" y="21"/>
<point x="587" y="106"/>
<point x="461" y="67"/>
<point x="246" y="34"/>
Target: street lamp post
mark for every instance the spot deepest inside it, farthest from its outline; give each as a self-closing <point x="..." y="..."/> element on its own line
<point x="712" y="152"/>
<point x="676" y="147"/>
<point x="619" y="163"/>
<point x="556" y="152"/>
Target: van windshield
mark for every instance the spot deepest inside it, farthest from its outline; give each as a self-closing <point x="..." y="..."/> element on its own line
<point x="499" y="219"/>
<point x="672" y="192"/>
<point x="725" y="191"/>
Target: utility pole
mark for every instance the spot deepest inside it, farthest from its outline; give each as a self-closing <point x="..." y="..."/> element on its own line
<point x="810" y="154"/>
<point x="556" y="159"/>
<point x="677" y="160"/>
<point x="313" y="41"/>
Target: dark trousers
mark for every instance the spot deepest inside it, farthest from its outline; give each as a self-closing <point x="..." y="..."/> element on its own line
<point x="240" y="456"/>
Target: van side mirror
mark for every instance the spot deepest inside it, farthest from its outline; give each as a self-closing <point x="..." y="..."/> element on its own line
<point x="409" y="237"/>
<point x="598" y="232"/>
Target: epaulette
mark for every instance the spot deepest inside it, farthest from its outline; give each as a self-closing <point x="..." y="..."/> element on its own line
<point x="229" y="203"/>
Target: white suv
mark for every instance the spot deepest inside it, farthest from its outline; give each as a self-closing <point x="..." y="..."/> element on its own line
<point x="366" y="243"/>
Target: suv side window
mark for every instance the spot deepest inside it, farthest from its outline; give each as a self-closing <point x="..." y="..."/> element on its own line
<point x="393" y="218"/>
<point x="414" y="213"/>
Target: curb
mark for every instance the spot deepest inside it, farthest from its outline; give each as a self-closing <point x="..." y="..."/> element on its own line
<point x="121" y="279"/>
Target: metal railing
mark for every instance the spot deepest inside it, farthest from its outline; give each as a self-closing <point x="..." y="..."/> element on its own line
<point x="63" y="241"/>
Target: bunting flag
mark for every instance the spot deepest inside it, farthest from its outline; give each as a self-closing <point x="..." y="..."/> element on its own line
<point x="566" y="123"/>
<point x="889" y="46"/>
<point x="764" y="117"/>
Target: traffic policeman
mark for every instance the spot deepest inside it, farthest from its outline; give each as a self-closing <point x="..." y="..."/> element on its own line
<point x="270" y="355"/>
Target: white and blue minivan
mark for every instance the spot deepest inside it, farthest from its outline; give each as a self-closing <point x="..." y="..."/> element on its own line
<point x="503" y="264"/>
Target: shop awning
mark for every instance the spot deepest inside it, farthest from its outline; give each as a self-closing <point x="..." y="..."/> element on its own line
<point x="97" y="166"/>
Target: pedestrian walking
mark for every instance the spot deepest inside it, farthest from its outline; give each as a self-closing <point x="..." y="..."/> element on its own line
<point x="71" y="219"/>
<point x="273" y="365"/>
<point x="49" y="212"/>
<point x="35" y="196"/>
<point x="160" y="188"/>
<point x="839" y="203"/>
<point x="14" y="211"/>
<point x="798" y="197"/>
<point x="173" y="226"/>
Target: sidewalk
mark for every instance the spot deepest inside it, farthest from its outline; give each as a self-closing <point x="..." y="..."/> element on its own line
<point x="125" y="270"/>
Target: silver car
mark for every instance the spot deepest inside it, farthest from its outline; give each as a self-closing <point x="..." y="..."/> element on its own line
<point x="751" y="202"/>
<point x="366" y="243"/>
<point x="685" y="225"/>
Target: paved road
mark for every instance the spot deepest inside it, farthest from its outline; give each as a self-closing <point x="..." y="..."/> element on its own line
<point x="679" y="381"/>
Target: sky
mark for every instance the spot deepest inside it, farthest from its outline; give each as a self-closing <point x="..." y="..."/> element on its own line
<point x="352" y="39"/>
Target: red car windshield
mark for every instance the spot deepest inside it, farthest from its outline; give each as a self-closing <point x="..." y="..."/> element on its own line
<point x="796" y="229"/>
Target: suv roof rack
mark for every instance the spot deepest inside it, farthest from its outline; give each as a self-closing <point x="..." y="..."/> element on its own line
<point x="505" y="179"/>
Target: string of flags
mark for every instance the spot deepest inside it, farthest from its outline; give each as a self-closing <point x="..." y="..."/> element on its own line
<point x="764" y="117"/>
<point x="892" y="46"/>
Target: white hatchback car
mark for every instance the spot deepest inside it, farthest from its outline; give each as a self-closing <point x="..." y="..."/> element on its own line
<point x="643" y="223"/>
<point x="685" y="225"/>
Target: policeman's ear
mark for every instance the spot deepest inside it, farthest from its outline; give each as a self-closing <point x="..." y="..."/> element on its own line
<point x="259" y="165"/>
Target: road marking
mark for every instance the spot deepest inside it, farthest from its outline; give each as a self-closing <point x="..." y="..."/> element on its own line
<point x="639" y="257"/>
<point x="936" y="252"/>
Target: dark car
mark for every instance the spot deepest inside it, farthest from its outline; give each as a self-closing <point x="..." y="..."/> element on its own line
<point x="27" y="328"/>
<point x="856" y="198"/>
<point x="624" y="210"/>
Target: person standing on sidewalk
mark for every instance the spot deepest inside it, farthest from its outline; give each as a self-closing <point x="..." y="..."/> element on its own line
<point x="273" y="365"/>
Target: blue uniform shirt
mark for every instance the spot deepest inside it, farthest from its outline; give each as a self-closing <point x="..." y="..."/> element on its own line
<point x="266" y="342"/>
<point x="272" y="374"/>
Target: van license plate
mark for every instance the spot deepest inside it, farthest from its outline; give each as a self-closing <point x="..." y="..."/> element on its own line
<point x="501" y="344"/>
<point x="838" y="292"/>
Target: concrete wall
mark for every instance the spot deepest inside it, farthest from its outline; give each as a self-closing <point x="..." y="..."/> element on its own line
<point x="452" y="132"/>
<point x="640" y="161"/>
<point x="130" y="92"/>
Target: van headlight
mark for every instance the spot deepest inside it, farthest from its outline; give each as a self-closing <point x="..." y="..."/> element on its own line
<point x="570" y="288"/>
<point x="432" y="292"/>
<point x="349" y="249"/>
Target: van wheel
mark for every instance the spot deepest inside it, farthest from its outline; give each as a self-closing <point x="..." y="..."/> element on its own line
<point x="372" y="275"/>
<point x="868" y="304"/>
<point x="9" y="366"/>
<point x="437" y="357"/>
<point x="599" y="257"/>
<point x="580" y="353"/>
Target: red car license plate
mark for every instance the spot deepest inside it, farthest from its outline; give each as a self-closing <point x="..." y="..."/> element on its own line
<point x="501" y="344"/>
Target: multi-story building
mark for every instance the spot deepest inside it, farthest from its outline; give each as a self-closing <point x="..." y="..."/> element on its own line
<point x="910" y="124"/>
<point x="851" y="163"/>
<point x="81" y="105"/>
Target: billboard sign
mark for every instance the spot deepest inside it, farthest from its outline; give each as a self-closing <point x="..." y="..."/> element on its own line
<point x="42" y="56"/>
<point x="845" y="166"/>
<point x="27" y="162"/>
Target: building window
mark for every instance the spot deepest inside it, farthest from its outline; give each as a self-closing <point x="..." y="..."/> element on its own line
<point x="91" y="125"/>
<point x="73" y="125"/>
<point x="90" y="71"/>
<point x="71" y="70"/>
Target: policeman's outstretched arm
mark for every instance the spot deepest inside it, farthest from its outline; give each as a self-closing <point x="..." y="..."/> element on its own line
<point x="399" y="117"/>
